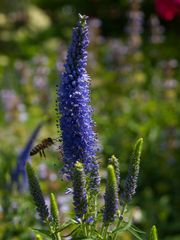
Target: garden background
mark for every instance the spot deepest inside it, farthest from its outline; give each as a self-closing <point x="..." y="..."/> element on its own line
<point x="134" y="66"/>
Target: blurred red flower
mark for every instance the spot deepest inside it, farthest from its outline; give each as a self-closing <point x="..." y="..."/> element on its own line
<point x="167" y="9"/>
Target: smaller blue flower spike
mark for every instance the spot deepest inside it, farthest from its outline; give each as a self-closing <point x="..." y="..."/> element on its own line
<point x="24" y="156"/>
<point x="115" y="162"/>
<point x="111" y="196"/>
<point x="132" y="177"/>
<point x="79" y="190"/>
<point x="36" y="193"/>
<point x="73" y="104"/>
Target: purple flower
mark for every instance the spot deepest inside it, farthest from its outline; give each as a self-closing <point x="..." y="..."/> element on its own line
<point x="68" y="191"/>
<point x="73" y="104"/>
<point x="90" y="219"/>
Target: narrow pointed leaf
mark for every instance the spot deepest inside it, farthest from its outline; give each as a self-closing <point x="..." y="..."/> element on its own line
<point x="137" y="229"/>
<point x="123" y="228"/>
<point x="135" y="234"/>
<point x="44" y="232"/>
<point x="67" y="224"/>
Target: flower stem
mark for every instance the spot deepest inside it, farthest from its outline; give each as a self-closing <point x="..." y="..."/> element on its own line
<point x="102" y="230"/>
<point x="54" y="234"/>
<point x="84" y="229"/>
<point x="120" y="220"/>
<point x="105" y="232"/>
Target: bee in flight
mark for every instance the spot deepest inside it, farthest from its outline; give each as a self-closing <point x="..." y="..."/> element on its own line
<point x="39" y="148"/>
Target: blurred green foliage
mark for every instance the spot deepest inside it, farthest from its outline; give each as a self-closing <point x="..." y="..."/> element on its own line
<point x="135" y="93"/>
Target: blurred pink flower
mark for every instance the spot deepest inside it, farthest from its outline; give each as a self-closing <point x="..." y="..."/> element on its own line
<point x="167" y="9"/>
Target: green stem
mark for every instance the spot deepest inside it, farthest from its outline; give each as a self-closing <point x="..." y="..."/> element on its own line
<point x="58" y="237"/>
<point x="102" y="230"/>
<point x="105" y="232"/>
<point x="95" y="206"/>
<point x="120" y="220"/>
<point x="55" y="235"/>
<point x="84" y="229"/>
<point x="92" y="211"/>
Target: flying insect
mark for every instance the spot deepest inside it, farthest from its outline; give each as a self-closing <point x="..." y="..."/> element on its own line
<point x="39" y="148"/>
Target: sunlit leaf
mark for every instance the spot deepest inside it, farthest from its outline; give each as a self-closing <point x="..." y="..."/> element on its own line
<point x="44" y="232"/>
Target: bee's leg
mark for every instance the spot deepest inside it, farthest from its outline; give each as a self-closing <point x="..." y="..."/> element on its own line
<point x="43" y="153"/>
<point x="40" y="153"/>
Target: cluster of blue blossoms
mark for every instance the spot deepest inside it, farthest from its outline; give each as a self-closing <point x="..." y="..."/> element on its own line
<point x="76" y="124"/>
<point x="78" y="136"/>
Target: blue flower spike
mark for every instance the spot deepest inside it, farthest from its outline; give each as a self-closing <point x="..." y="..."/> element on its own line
<point x="75" y="111"/>
<point x="133" y="172"/>
<point x="79" y="191"/>
<point x="111" y="196"/>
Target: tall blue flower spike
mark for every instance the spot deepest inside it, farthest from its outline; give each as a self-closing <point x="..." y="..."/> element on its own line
<point x="73" y="104"/>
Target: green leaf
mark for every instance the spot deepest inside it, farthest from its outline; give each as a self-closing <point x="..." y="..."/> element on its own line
<point x="44" y="232"/>
<point x="84" y="239"/>
<point x="71" y="222"/>
<point x="38" y="237"/>
<point x="74" y="221"/>
<point x="73" y="233"/>
<point x="137" y="229"/>
<point x="97" y="234"/>
<point x="134" y="233"/>
<point x="123" y="228"/>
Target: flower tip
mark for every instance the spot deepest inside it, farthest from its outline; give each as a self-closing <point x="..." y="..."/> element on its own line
<point x="78" y="165"/>
<point x="111" y="173"/>
<point x="139" y="144"/>
<point x="153" y="233"/>
<point x="110" y="168"/>
<point x="140" y="140"/>
<point x="82" y="19"/>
